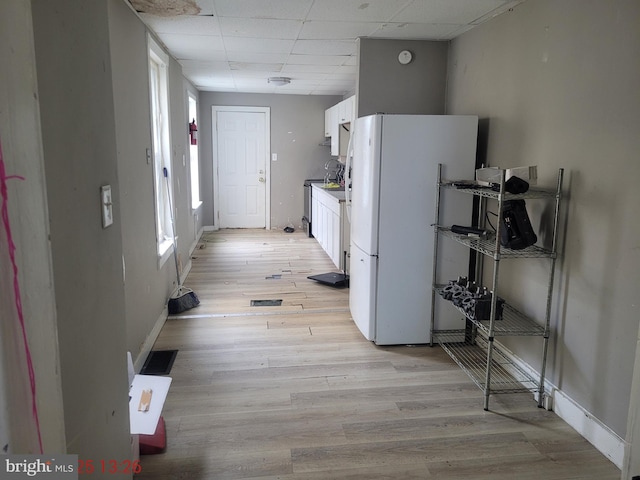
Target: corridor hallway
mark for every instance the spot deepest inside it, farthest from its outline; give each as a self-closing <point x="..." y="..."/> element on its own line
<point x="295" y="391"/>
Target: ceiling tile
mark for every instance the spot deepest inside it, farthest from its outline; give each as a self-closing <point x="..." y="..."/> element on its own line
<point x="260" y="71"/>
<point x="288" y="9"/>
<point x="352" y="60"/>
<point x="191" y="47"/>
<point x="325" y="47"/>
<point x="327" y="90"/>
<point x="346" y="70"/>
<point x="270" y="67"/>
<point x="313" y="69"/>
<point x="260" y="27"/>
<point x="186" y="25"/>
<point x="416" y="31"/>
<point x="205" y="66"/>
<point x="264" y="45"/>
<point x="295" y="59"/>
<point x="459" y="12"/>
<point x="356" y="10"/>
<point x="252" y="57"/>
<point x="235" y="45"/>
<point x="206" y="7"/>
<point x="337" y="30"/>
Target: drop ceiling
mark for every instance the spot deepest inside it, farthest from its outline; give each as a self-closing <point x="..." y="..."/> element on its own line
<point x="236" y="45"/>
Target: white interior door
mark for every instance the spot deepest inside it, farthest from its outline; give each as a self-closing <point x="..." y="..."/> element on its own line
<point x="241" y="177"/>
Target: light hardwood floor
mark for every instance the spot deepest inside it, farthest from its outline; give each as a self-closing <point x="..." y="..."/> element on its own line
<point x="295" y="392"/>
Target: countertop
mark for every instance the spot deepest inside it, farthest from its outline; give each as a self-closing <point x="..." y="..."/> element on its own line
<point x="337" y="194"/>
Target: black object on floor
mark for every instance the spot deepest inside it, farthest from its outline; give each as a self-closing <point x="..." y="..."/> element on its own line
<point x="332" y="279"/>
<point x="266" y="303"/>
<point x="159" y="362"/>
<point x="181" y="300"/>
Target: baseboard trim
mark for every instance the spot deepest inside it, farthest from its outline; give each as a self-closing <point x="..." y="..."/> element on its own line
<point x="149" y="341"/>
<point x="588" y="426"/>
<point x="186" y="268"/>
<point x="583" y="422"/>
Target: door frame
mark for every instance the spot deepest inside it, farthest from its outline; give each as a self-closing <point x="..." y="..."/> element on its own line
<point x="216" y="179"/>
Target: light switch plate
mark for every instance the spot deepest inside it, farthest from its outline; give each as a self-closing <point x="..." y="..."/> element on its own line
<point x="107" y="210"/>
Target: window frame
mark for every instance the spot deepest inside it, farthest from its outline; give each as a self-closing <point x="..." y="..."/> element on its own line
<point x="160" y="118"/>
<point x="194" y="153"/>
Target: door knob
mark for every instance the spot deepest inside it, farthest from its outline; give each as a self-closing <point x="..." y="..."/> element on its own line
<point x="261" y="179"/>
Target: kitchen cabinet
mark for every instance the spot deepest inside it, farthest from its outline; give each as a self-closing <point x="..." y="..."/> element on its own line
<point x="343" y="112"/>
<point x="334" y="129"/>
<point x="476" y="348"/>
<point x="330" y="225"/>
<point x="346" y="110"/>
<point x="327" y="123"/>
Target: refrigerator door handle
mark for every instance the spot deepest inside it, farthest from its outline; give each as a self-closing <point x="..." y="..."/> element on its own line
<point x="347" y="184"/>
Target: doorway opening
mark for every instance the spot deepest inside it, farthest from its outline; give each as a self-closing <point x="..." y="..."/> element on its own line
<point x="241" y="167"/>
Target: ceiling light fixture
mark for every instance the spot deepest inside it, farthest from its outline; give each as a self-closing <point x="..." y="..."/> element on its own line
<point x="279" y="81"/>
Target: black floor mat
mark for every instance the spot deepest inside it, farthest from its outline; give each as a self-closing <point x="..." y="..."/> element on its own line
<point x="332" y="279"/>
<point x="159" y="362"/>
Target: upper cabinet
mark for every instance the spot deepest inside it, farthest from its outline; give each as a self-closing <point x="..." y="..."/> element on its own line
<point x="327" y="122"/>
<point x="346" y="110"/>
<point x="343" y="112"/>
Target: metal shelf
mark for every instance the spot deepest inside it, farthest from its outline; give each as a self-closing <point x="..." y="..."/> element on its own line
<point x="488" y="246"/>
<point x="513" y="323"/>
<point x="487" y="192"/>
<point x="474" y="349"/>
<point x="471" y="357"/>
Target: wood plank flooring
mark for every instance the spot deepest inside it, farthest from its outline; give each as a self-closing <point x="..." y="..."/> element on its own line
<point x="296" y="392"/>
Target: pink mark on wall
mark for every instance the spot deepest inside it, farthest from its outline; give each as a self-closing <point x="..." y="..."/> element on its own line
<point x="16" y="289"/>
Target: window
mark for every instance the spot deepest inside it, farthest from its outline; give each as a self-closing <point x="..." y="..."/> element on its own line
<point x="193" y="155"/>
<point x="161" y="148"/>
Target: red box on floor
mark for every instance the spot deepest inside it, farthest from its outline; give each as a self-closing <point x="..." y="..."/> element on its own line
<point x="156" y="443"/>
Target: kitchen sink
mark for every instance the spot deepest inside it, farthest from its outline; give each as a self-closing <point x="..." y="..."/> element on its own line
<point x="332" y="188"/>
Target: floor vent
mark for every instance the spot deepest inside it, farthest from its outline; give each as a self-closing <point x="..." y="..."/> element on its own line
<point x="266" y="303"/>
<point x="159" y="362"/>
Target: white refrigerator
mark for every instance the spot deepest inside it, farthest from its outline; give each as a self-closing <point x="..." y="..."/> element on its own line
<point x="392" y="201"/>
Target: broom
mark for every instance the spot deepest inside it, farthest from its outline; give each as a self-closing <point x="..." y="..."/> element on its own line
<point x="182" y="298"/>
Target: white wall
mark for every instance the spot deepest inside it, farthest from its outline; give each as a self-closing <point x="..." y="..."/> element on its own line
<point x="556" y="84"/>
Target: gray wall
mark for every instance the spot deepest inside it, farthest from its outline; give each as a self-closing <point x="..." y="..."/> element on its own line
<point x="27" y="214"/>
<point x="297" y="128"/>
<point x="110" y="290"/>
<point x="386" y="86"/>
<point x="78" y="125"/>
<point x="556" y="84"/>
<point x="147" y="285"/>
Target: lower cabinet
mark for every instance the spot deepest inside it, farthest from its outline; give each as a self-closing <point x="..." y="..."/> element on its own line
<point x="327" y="225"/>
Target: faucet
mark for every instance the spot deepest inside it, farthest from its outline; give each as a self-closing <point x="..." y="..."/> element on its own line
<point x="327" y="176"/>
